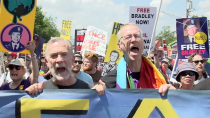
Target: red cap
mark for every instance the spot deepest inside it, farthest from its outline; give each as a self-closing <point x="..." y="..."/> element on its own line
<point x="14" y="55"/>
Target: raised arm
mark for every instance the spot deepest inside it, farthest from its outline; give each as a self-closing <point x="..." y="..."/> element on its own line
<point x="33" y="77"/>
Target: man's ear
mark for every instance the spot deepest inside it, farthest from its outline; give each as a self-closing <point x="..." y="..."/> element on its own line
<point x="73" y="60"/>
<point x="47" y="63"/>
<point x="119" y="47"/>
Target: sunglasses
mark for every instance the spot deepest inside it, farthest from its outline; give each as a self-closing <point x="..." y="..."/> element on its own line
<point x="197" y="61"/>
<point x="187" y="73"/>
<point x="11" y="67"/>
<point x="80" y="62"/>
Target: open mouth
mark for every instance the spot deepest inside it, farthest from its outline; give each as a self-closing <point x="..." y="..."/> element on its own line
<point x="134" y="49"/>
<point x="61" y="69"/>
<point x="14" y="75"/>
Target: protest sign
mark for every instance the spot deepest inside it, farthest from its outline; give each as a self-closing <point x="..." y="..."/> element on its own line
<point x="17" y="25"/>
<point x="95" y="41"/>
<point x="113" y="54"/>
<point x="79" y="38"/>
<point x="173" y="47"/>
<point x="66" y="29"/>
<point x="116" y="103"/>
<point x="144" y="18"/>
<point x="192" y="37"/>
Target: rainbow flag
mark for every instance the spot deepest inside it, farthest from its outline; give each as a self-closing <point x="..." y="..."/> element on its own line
<point x="41" y="72"/>
<point x="150" y="76"/>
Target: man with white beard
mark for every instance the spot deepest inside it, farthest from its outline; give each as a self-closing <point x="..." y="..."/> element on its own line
<point x="76" y="66"/>
<point x="59" y="57"/>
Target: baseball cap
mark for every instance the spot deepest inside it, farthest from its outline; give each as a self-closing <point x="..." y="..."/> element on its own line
<point x="185" y="66"/>
<point x="17" y="62"/>
<point x="190" y="22"/>
<point x="165" y="60"/>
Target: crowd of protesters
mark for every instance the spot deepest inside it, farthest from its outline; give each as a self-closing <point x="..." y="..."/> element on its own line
<point x="63" y="69"/>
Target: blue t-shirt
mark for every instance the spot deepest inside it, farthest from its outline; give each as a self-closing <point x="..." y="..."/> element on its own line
<point x="86" y="78"/>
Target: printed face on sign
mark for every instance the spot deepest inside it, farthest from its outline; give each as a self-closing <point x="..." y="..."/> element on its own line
<point x="114" y="56"/>
<point x="131" y="42"/>
<point x="190" y="29"/>
<point x="15" y="37"/>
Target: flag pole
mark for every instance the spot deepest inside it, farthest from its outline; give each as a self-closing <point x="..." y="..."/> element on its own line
<point x="151" y="42"/>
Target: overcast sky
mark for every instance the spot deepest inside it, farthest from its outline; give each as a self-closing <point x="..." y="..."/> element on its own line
<point x="102" y="13"/>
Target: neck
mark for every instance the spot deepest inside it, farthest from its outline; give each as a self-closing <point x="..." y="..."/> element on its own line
<point x="112" y="62"/>
<point x="93" y="71"/>
<point x="200" y="75"/>
<point x="76" y="74"/>
<point x="15" y="84"/>
<point x="135" y="66"/>
<point x="187" y="87"/>
<point x="70" y="81"/>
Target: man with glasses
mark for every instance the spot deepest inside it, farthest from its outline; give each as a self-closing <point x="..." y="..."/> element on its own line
<point x="17" y="68"/>
<point x="134" y="70"/>
<point x="76" y="66"/>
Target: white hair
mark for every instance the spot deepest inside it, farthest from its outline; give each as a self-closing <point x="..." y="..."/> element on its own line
<point x="56" y="39"/>
<point x="118" y="33"/>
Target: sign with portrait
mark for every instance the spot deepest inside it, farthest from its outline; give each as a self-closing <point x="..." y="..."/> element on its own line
<point x="17" y="24"/>
<point x="192" y="37"/>
<point x="113" y="54"/>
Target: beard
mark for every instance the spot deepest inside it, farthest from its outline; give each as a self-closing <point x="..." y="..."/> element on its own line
<point x="89" y="68"/>
<point x="59" y="77"/>
<point x="75" y="70"/>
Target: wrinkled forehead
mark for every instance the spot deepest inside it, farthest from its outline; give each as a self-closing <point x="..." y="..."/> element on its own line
<point x="130" y="29"/>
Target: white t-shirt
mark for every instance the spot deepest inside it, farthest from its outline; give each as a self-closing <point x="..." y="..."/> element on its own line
<point x="197" y="81"/>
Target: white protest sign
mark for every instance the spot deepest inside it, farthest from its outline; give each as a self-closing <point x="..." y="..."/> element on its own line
<point x="95" y="41"/>
<point x="144" y="18"/>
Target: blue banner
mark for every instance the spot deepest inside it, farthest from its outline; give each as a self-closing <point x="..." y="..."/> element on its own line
<point x="115" y="103"/>
<point x="192" y="37"/>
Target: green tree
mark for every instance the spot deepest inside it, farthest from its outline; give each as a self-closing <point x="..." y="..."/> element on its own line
<point x="45" y="26"/>
<point x="167" y="34"/>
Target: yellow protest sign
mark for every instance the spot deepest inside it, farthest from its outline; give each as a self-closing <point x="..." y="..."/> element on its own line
<point x="113" y="54"/>
<point x="17" y="24"/>
<point x="113" y="43"/>
<point x="66" y="29"/>
<point x="43" y="48"/>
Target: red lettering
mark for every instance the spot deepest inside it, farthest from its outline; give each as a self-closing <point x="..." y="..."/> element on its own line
<point x="203" y="51"/>
<point x="141" y="10"/>
<point x="190" y="52"/>
<point x="183" y="52"/>
<point x="148" y="10"/>
<point x="138" y="9"/>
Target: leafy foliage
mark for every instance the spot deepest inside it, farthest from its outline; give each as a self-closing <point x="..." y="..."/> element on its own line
<point x="45" y="26"/>
<point x="167" y="34"/>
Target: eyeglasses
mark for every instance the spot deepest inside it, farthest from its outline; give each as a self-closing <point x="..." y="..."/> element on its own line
<point x="187" y="73"/>
<point x="129" y="37"/>
<point x="11" y="67"/>
<point x="197" y="61"/>
<point x="80" y="62"/>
